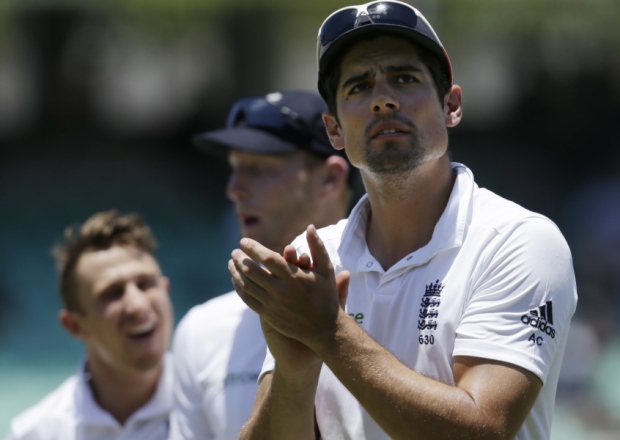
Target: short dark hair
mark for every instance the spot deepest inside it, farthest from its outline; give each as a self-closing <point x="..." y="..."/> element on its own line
<point x="101" y="231"/>
<point x="431" y="61"/>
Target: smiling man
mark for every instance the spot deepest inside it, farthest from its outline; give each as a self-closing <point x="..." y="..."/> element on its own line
<point x="117" y="303"/>
<point x="437" y="310"/>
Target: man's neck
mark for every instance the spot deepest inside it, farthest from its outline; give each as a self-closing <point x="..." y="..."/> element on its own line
<point x="403" y="216"/>
<point x="121" y="393"/>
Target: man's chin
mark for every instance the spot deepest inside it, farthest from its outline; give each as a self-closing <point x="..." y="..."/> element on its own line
<point x="252" y="231"/>
<point x="151" y="362"/>
<point x="257" y="234"/>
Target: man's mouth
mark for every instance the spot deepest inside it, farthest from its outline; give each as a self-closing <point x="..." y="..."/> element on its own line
<point x="390" y="127"/>
<point x="389" y="131"/>
<point x="142" y="331"/>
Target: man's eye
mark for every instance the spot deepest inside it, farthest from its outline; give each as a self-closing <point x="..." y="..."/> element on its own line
<point x="405" y="79"/>
<point x="146" y="283"/>
<point x="253" y="170"/>
<point x="113" y="294"/>
<point x="358" y="88"/>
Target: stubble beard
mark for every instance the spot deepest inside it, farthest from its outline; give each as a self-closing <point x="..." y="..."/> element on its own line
<point x="394" y="164"/>
<point x="393" y="159"/>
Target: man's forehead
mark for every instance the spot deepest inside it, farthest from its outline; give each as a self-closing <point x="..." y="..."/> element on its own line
<point x="239" y="155"/>
<point x="379" y="48"/>
<point x="115" y="262"/>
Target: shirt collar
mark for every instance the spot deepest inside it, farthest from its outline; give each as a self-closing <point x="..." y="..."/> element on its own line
<point x="89" y="412"/>
<point x="448" y="233"/>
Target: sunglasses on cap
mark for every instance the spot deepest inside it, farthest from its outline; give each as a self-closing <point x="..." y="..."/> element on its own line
<point x="388" y="13"/>
<point x="266" y="114"/>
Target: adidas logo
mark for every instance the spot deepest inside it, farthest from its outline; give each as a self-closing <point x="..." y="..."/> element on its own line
<point x="541" y="318"/>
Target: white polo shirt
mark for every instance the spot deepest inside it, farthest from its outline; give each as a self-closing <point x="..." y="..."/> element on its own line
<point x="219" y="349"/>
<point x="70" y="412"/>
<point x="496" y="281"/>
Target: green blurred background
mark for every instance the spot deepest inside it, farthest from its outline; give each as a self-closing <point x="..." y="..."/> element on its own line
<point x="99" y="100"/>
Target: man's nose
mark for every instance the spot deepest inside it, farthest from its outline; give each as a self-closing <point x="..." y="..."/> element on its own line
<point x="135" y="299"/>
<point x="235" y="188"/>
<point x="384" y="99"/>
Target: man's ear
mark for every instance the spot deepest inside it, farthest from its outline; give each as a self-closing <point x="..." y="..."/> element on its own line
<point x="71" y="322"/>
<point x="166" y="281"/>
<point x="333" y="131"/>
<point x="336" y="172"/>
<point x="453" y="106"/>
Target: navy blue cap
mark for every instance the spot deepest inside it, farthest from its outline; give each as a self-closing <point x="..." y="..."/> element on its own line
<point x="279" y="122"/>
<point x="352" y="23"/>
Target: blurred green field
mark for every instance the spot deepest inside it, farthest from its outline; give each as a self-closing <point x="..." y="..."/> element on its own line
<point x="23" y="385"/>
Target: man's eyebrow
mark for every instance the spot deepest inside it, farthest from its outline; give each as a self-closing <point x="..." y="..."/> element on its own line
<point x="356" y="78"/>
<point x="402" y="68"/>
<point x="399" y="68"/>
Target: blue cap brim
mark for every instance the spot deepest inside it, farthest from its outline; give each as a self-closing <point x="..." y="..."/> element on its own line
<point x="242" y="138"/>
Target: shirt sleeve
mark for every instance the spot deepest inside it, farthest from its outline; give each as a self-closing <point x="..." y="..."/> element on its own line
<point x="16" y="432"/>
<point x="187" y="419"/>
<point x="268" y="365"/>
<point x="523" y="295"/>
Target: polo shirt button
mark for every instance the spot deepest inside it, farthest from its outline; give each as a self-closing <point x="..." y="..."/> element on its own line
<point x="369" y="264"/>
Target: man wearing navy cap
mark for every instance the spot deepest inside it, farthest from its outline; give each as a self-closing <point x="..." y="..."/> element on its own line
<point x="284" y="174"/>
<point x="437" y="309"/>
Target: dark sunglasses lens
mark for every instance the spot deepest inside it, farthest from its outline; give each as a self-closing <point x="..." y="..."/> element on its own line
<point x="393" y="13"/>
<point x="379" y="13"/>
<point x="238" y="111"/>
<point x="337" y="24"/>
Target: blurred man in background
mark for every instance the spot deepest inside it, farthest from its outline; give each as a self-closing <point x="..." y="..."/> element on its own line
<point x="284" y="175"/>
<point x="116" y="301"/>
